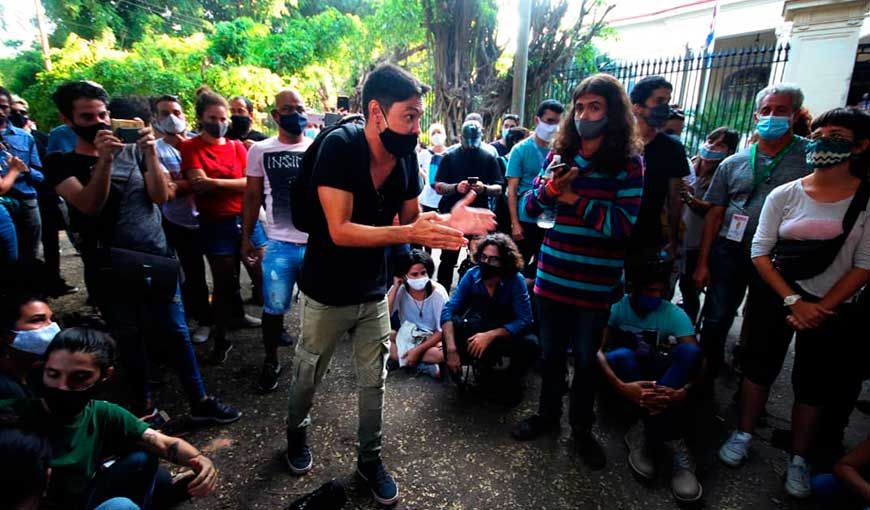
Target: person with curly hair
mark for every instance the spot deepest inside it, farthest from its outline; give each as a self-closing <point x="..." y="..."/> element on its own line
<point x="596" y="197"/>
<point x="490" y="317"/>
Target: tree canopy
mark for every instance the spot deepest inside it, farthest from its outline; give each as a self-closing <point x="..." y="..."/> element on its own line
<point x="324" y="48"/>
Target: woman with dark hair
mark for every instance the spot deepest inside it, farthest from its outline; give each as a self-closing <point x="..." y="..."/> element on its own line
<point x="596" y="197"/>
<point x="215" y="167"/>
<point x="83" y="432"/>
<point x="720" y="143"/>
<point x="418" y="300"/>
<point x="490" y="316"/>
<point x="27" y="327"/>
<point x="812" y="248"/>
<point x="25" y="470"/>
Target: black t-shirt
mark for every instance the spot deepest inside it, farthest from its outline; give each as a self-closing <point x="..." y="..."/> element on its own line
<point x="459" y="164"/>
<point x="341" y="275"/>
<point x="500" y="147"/>
<point x="252" y="135"/>
<point x="129" y="219"/>
<point x="665" y="159"/>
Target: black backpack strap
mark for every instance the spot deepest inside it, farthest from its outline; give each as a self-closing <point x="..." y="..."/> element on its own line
<point x="856" y="206"/>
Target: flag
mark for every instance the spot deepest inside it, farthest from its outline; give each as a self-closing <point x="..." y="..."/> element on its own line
<point x="711" y="35"/>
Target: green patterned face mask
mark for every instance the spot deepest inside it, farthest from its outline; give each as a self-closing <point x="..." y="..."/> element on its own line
<point x="828" y="151"/>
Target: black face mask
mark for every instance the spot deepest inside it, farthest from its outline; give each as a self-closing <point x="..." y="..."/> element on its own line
<point x="239" y="127"/>
<point x="215" y="129"/>
<point x="397" y="144"/>
<point x="67" y="403"/>
<point x="293" y="123"/>
<point x="488" y="270"/>
<point x="89" y="133"/>
<point x="18" y="120"/>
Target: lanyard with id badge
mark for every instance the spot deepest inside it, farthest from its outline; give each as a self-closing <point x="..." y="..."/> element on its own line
<point x="737" y="227"/>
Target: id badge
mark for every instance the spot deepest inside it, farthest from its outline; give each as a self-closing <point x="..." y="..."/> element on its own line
<point x="737" y="228"/>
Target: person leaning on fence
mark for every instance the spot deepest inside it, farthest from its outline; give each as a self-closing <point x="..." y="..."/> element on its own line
<point x="650" y="357"/>
<point x="581" y="260"/>
<point x="490" y="317"/>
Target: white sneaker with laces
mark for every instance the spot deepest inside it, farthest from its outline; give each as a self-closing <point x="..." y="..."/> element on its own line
<point x="797" y="479"/>
<point x="736" y="450"/>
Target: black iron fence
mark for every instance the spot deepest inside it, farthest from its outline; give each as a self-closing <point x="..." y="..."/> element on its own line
<point x="713" y="89"/>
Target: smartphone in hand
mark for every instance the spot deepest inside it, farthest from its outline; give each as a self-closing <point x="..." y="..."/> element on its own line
<point x="472" y="180"/>
<point x="127" y="130"/>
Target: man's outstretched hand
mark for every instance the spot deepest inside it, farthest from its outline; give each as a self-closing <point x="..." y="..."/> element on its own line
<point x="470" y="220"/>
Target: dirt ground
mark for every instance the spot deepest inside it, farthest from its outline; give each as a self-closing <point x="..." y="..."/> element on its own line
<point x="448" y="452"/>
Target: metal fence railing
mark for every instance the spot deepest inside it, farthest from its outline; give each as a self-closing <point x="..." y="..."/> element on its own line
<point x="713" y="89"/>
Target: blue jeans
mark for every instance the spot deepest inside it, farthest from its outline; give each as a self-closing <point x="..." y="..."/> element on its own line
<point x="134" y="320"/>
<point x="674" y="371"/>
<point x="561" y="326"/>
<point x="223" y="238"/>
<point x="129" y="481"/>
<point x="282" y="263"/>
<point x="731" y="270"/>
<point x="8" y="237"/>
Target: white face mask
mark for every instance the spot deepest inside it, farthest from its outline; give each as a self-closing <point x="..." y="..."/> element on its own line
<point x="418" y="283"/>
<point x="545" y="131"/>
<point x="35" y="341"/>
<point x="438" y="139"/>
<point x="171" y="125"/>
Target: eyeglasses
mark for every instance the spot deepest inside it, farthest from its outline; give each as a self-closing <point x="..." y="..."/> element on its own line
<point x="495" y="260"/>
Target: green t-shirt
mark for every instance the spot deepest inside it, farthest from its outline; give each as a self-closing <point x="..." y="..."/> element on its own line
<point x="102" y="430"/>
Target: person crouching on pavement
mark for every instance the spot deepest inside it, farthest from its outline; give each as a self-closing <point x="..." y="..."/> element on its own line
<point x="418" y="300"/>
<point x="650" y="356"/>
<point x="490" y="317"/>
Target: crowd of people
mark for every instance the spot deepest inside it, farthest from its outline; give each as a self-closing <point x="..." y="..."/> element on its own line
<point x="571" y="240"/>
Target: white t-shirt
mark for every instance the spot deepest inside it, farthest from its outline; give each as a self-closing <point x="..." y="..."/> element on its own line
<point x="278" y="164"/>
<point x="789" y="213"/>
<point x="426" y="314"/>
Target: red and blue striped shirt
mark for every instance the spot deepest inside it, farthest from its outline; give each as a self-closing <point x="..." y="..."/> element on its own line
<point x="582" y="257"/>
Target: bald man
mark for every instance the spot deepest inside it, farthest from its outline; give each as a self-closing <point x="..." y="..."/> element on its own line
<point x="272" y="165"/>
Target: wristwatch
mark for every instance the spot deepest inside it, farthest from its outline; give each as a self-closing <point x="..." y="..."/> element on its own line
<point x="792" y="299"/>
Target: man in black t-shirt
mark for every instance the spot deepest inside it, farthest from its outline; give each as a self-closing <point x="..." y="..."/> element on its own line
<point x="242" y="119"/>
<point x="463" y="170"/>
<point x="113" y="190"/>
<point x="364" y="178"/>
<point x="666" y="165"/>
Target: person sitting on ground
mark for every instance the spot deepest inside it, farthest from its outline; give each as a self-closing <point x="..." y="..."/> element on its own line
<point x="84" y="432"/>
<point x="490" y="317"/>
<point x="848" y="487"/>
<point x="469" y="262"/>
<point x="419" y="301"/>
<point x="649" y="356"/>
<point x="113" y="190"/>
<point x="26" y="328"/>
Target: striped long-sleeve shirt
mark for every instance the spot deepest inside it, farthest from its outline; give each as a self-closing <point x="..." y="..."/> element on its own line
<point x="581" y="260"/>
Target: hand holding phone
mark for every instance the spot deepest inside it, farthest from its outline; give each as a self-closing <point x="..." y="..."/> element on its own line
<point x="127" y="130"/>
<point x="472" y="180"/>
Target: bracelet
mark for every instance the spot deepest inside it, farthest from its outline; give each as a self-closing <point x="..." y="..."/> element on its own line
<point x="552" y="190"/>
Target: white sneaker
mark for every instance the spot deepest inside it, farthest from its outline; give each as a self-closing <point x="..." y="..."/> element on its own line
<point x="736" y="450"/>
<point x="797" y="479"/>
<point x="200" y="334"/>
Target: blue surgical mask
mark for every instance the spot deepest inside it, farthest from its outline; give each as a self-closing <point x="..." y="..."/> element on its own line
<point x="706" y="152"/>
<point x="505" y="131"/>
<point x="35" y="341"/>
<point x="310" y="133"/>
<point x="772" y="126"/>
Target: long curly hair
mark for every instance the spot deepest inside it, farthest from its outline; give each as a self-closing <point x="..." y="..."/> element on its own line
<point x="620" y="134"/>
<point x="511" y="259"/>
